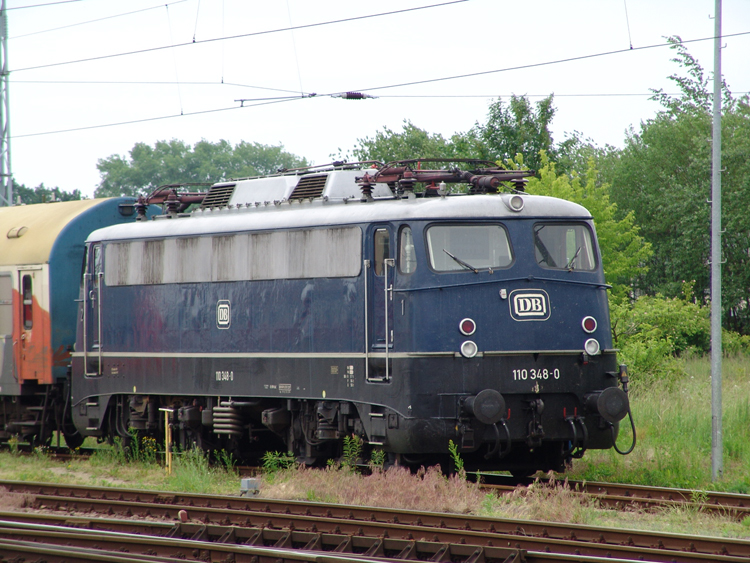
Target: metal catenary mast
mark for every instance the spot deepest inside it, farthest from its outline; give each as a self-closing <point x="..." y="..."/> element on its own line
<point x="6" y="177"/>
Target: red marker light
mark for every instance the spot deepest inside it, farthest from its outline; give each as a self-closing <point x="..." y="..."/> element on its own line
<point x="589" y="324"/>
<point x="467" y="327"/>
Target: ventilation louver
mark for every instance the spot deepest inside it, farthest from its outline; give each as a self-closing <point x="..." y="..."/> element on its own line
<point x="218" y="196"/>
<point x="309" y="186"/>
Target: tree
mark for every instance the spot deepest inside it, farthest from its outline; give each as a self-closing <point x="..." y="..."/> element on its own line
<point x="174" y="162"/>
<point x="41" y="194"/>
<point x="412" y="142"/>
<point x="663" y="175"/>
<point x="517" y="128"/>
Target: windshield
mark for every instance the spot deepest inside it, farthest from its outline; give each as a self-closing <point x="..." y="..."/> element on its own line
<point x="564" y="246"/>
<point x="468" y="247"/>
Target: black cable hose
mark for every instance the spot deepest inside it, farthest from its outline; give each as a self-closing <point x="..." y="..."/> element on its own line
<point x="574" y="441"/>
<point x="497" y="441"/>
<point x="614" y="438"/>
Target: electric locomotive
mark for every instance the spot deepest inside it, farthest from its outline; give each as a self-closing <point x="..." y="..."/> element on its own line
<point x="294" y="310"/>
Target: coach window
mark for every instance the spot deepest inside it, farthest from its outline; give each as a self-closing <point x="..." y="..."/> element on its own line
<point x="454" y="248"/>
<point x="564" y="246"/>
<point x="382" y="242"/>
<point x="28" y="300"/>
<point x="407" y="258"/>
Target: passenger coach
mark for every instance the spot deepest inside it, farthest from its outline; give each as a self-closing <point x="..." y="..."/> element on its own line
<point x="290" y="311"/>
<point x="41" y="251"/>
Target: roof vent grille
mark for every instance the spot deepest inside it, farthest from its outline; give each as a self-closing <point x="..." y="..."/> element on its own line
<point x="218" y="196"/>
<point x="309" y="186"/>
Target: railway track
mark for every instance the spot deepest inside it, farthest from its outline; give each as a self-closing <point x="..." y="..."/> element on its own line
<point x="619" y="496"/>
<point x="610" y="495"/>
<point x="355" y="531"/>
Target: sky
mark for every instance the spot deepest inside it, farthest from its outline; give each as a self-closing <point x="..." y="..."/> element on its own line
<point x="91" y="78"/>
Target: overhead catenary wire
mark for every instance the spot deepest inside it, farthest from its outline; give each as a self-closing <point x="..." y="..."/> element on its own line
<point x="309" y="94"/>
<point x="241" y="36"/>
<point x="174" y="58"/>
<point x="95" y="21"/>
<point x="157" y="83"/>
<point x="374" y="88"/>
<point x="42" y="5"/>
<point x="559" y="61"/>
<point x="546" y="63"/>
<point x="627" y="22"/>
<point x="156" y="118"/>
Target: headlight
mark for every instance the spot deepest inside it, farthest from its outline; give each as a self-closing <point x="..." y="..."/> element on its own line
<point x="469" y="349"/>
<point x="592" y="347"/>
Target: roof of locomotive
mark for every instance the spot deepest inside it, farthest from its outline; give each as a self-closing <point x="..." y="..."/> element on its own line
<point x="261" y="214"/>
<point x="28" y="233"/>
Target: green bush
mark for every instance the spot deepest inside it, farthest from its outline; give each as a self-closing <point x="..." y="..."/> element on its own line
<point x="655" y="334"/>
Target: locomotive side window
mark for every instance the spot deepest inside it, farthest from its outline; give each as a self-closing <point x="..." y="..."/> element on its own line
<point x="382" y="242"/>
<point x="564" y="246"/>
<point x="407" y="258"/>
<point x="310" y="253"/>
<point x="468" y="247"/>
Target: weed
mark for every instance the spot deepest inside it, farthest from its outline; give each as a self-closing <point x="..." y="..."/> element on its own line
<point x="699" y="497"/>
<point x="13" y="443"/>
<point x="226" y="460"/>
<point x="458" y="463"/>
<point x="352" y="451"/>
<point x="275" y="461"/>
<point x="377" y="459"/>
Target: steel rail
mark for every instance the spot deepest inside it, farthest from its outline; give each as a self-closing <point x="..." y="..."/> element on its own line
<point x="311" y="546"/>
<point x="196" y="547"/>
<point x="447" y="528"/>
<point x="618" y="495"/>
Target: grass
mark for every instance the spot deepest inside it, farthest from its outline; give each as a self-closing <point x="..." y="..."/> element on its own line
<point x="674" y="433"/>
<point x="674" y="449"/>
<point x="108" y="467"/>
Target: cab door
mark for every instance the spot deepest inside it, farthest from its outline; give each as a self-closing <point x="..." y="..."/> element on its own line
<point x="92" y="298"/>
<point x="380" y="266"/>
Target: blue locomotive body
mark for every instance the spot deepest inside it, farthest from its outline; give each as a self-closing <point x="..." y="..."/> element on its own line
<point x="407" y="321"/>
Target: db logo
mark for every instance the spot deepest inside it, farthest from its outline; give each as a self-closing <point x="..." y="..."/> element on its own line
<point x="529" y="305"/>
<point x="223" y="314"/>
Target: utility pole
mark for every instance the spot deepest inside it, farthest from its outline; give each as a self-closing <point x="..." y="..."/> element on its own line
<point x="717" y="448"/>
<point x="6" y="177"/>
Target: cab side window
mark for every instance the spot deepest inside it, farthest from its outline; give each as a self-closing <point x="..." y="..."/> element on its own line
<point x="407" y="257"/>
<point x="382" y="242"/>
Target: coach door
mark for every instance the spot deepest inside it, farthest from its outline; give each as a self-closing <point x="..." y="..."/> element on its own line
<point x="92" y="299"/>
<point x="33" y="360"/>
<point x="379" y="322"/>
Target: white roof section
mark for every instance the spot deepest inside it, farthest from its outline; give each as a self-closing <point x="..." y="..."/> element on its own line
<point x="328" y="184"/>
<point x="319" y="212"/>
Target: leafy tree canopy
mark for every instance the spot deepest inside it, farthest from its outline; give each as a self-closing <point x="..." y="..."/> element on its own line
<point x="42" y="194"/>
<point x="412" y="142"/>
<point x="175" y="162"/>
<point x="518" y="127"/>
<point x="663" y="175"/>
